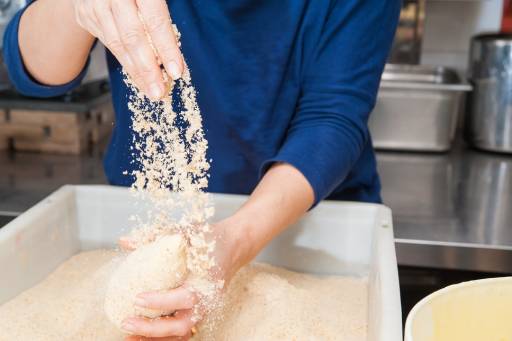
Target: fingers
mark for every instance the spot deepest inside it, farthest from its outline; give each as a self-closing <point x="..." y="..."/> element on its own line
<point x="111" y="39"/>
<point x="128" y="36"/>
<point x="171" y="300"/>
<point x="136" y="43"/>
<point x="126" y="243"/>
<point x="155" y="14"/>
<point x="170" y="338"/>
<point x="85" y="17"/>
<point x="178" y="325"/>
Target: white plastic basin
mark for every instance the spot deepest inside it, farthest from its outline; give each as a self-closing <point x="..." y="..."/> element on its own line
<point x="335" y="238"/>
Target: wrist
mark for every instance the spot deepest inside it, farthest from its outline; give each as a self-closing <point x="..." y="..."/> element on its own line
<point x="237" y="238"/>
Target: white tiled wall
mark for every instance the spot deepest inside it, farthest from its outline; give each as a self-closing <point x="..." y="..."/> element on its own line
<point x="449" y="26"/>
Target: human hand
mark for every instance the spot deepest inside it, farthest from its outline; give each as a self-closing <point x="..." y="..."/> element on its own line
<point x="127" y="28"/>
<point x="281" y="197"/>
<point x="228" y="257"/>
<point x="178" y="326"/>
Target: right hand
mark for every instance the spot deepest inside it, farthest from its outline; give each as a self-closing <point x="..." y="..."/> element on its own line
<point x="229" y="255"/>
<point x="117" y="24"/>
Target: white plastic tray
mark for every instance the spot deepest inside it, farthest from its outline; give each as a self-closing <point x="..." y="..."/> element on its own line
<point x="335" y="238"/>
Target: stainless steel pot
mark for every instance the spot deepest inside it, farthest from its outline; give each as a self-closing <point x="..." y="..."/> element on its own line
<point x="484" y="197"/>
<point x="489" y="120"/>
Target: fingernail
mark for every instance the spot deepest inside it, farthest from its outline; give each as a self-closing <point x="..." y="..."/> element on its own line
<point x="140" y="302"/>
<point x="129" y="327"/>
<point x="155" y="91"/>
<point x="173" y="69"/>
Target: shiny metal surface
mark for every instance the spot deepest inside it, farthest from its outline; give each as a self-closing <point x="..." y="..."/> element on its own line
<point x="7" y="10"/>
<point x="422" y="77"/>
<point x="26" y="178"/>
<point x="451" y="211"/>
<point x="406" y="47"/>
<point x="417" y="108"/>
<point x="489" y="121"/>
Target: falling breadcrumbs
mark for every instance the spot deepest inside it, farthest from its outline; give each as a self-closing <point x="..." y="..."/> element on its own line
<point x="89" y="295"/>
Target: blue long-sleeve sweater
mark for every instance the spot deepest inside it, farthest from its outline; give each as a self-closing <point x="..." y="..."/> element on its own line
<point x="277" y="80"/>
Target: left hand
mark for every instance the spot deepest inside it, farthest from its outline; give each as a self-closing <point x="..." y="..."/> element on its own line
<point x="179" y="326"/>
<point x="134" y="31"/>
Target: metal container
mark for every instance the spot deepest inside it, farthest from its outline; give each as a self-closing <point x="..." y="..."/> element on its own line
<point x="484" y="200"/>
<point x="406" y="48"/>
<point x="489" y="121"/>
<point x="417" y="108"/>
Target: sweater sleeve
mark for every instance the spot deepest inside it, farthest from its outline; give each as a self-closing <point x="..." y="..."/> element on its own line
<point x="18" y="74"/>
<point x="339" y="86"/>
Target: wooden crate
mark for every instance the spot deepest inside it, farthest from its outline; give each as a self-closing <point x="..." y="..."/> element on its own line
<point x="4" y="142"/>
<point x="55" y="131"/>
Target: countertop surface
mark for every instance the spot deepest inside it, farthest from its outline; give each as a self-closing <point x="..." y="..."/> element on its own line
<point x="451" y="210"/>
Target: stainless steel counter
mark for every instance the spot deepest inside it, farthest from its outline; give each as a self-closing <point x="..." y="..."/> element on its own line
<point x="451" y="211"/>
<point x="26" y="178"/>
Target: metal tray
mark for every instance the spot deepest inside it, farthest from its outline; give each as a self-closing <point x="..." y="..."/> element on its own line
<point x="420" y="75"/>
<point x="417" y="108"/>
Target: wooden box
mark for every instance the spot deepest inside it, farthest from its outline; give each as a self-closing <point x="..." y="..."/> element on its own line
<point x="65" y="132"/>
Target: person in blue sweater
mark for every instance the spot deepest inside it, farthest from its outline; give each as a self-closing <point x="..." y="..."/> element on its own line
<point x="285" y="88"/>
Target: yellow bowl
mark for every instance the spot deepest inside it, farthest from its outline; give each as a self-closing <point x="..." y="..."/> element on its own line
<point x="470" y="311"/>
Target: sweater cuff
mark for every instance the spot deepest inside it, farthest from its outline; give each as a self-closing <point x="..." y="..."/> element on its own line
<point x="293" y="154"/>
<point x="321" y="153"/>
<point x="299" y="165"/>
